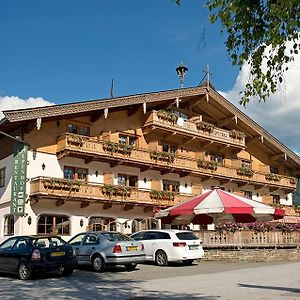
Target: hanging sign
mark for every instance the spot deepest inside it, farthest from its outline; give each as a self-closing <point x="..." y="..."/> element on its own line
<point x="18" y="186"/>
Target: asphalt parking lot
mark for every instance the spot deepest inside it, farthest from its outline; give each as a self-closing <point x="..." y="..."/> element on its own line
<point x="204" y="280"/>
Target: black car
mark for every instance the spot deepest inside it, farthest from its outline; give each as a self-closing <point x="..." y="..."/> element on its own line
<point x="27" y="254"/>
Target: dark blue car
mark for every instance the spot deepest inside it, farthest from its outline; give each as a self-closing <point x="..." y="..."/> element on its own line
<point x="25" y="255"/>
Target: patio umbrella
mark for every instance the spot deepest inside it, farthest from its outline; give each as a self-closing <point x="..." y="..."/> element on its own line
<point x="218" y="206"/>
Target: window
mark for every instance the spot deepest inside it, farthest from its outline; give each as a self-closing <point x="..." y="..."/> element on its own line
<point x="169" y="148"/>
<point x="180" y="114"/>
<point x="217" y="158"/>
<point x="54" y="224"/>
<point x="171" y="186"/>
<point x="9" y="223"/>
<point x="274" y="170"/>
<point x="7" y="245"/>
<point x="82" y="130"/>
<point x="2" y="177"/>
<point x="248" y="194"/>
<point x="91" y="239"/>
<point x="77" y="240"/>
<point x="275" y="199"/>
<point x="75" y="173"/>
<point x="127" y="140"/>
<point x="245" y="163"/>
<point x="99" y="223"/>
<point x="127" y="180"/>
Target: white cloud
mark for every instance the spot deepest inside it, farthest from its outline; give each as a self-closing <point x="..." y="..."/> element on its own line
<point x="280" y="114"/>
<point x="13" y="102"/>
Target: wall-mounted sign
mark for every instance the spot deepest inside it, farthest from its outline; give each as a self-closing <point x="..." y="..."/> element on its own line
<point x="18" y="187"/>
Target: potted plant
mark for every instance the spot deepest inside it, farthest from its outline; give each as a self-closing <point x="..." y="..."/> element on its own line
<point x="204" y="126"/>
<point x="211" y="165"/>
<point x="244" y="171"/>
<point x="167" y="115"/>
<point x="272" y="177"/>
<point x="237" y="134"/>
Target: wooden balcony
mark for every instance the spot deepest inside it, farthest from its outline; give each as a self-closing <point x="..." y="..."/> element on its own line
<point x="91" y="149"/>
<point x="190" y="129"/>
<point x="63" y="190"/>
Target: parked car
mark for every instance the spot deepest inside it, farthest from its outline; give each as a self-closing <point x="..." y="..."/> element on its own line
<point x="27" y="254"/>
<point x="164" y="246"/>
<point x="101" y="248"/>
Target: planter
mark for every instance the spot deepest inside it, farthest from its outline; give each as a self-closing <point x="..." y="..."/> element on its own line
<point x="163" y="156"/>
<point x="205" y="126"/>
<point x="211" y="165"/>
<point x="235" y="134"/>
<point x="117" y="148"/>
<point x="162" y="195"/>
<point x="273" y="177"/>
<point x="244" y="171"/>
<point x="167" y="116"/>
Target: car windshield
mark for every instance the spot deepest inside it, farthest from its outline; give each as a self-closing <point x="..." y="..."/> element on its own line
<point x="116" y="236"/>
<point x="186" y="236"/>
<point x="48" y="242"/>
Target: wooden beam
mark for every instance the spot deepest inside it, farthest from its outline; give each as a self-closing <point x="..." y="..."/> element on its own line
<point x="128" y="206"/>
<point x="207" y="179"/>
<point x="60" y="202"/>
<point x="84" y="204"/>
<point x="279" y="156"/>
<point x="144" y="169"/>
<point x="133" y="110"/>
<point x="29" y="127"/>
<point x="224" y="181"/>
<point x="167" y="171"/>
<point x="242" y="184"/>
<point x="197" y="102"/>
<point x="257" y="138"/>
<point x="148" y="209"/>
<point x="96" y="116"/>
<point x="208" y="144"/>
<point x="89" y="160"/>
<point x="226" y="121"/>
<point x="184" y="174"/>
<point x="107" y="206"/>
<point x="115" y="164"/>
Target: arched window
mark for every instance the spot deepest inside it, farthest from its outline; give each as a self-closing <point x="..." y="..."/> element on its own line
<point x="143" y="224"/>
<point x="102" y="223"/>
<point x="9" y="223"/>
<point x="54" y="224"/>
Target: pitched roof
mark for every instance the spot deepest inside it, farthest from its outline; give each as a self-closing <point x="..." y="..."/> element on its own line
<point x="14" y="117"/>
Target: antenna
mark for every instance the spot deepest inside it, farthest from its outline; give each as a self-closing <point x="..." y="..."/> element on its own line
<point x="206" y="75"/>
<point x="112" y="89"/>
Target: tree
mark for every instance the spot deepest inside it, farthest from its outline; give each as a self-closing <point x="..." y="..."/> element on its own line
<point x="258" y="32"/>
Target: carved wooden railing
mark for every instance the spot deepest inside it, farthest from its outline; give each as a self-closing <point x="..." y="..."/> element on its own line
<point x="190" y="128"/>
<point x="92" y="147"/>
<point x="85" y="191"/>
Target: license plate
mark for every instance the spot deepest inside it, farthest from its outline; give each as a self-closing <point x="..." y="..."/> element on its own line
<point x="131" y="248"/>
<point x="193" y="247"/>
<point x="55" y="254"/>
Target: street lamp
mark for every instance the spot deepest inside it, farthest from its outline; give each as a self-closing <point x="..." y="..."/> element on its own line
<point x="181" y="72"/>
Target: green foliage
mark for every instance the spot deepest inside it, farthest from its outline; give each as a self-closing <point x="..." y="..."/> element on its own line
<point x="205" y="126"/>
<point x="257" y="32"/>
<point x="211" y="165"/>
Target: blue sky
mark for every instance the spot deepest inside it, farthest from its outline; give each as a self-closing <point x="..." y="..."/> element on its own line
<point x="70" y="50"/>
<point x="61" y="51"/>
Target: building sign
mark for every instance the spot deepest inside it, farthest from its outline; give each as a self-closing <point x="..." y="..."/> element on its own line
<point x="18" y="188"/>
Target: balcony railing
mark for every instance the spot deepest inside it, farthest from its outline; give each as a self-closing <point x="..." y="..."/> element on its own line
<point x="91" y="148"/>
<point x="188" y="128"/>
<point x="248" y="238"/>
<point x="81" y="191"/>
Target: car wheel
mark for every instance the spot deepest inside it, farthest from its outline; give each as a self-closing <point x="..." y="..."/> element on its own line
<point x="24" y="271"/>
<point x="130" y="267"/>
<point x="161" y="258"/>
<point x="67" y="271"/>
<point x="188" y="262"/>
<point x="98" y="263"/>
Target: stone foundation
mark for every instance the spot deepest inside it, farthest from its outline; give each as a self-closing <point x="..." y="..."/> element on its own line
<point x="248" y="254"/>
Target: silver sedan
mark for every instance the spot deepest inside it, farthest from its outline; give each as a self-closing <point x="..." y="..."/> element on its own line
<point x="101" y="248"/>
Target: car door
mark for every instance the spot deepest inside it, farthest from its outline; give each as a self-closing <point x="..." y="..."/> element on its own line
<point x="19" y="250"/>
<point x="88" y="247"/>
<point x="150" y="244"/>
<point x="76" y="242"/>
<point x="6" y="257"/>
